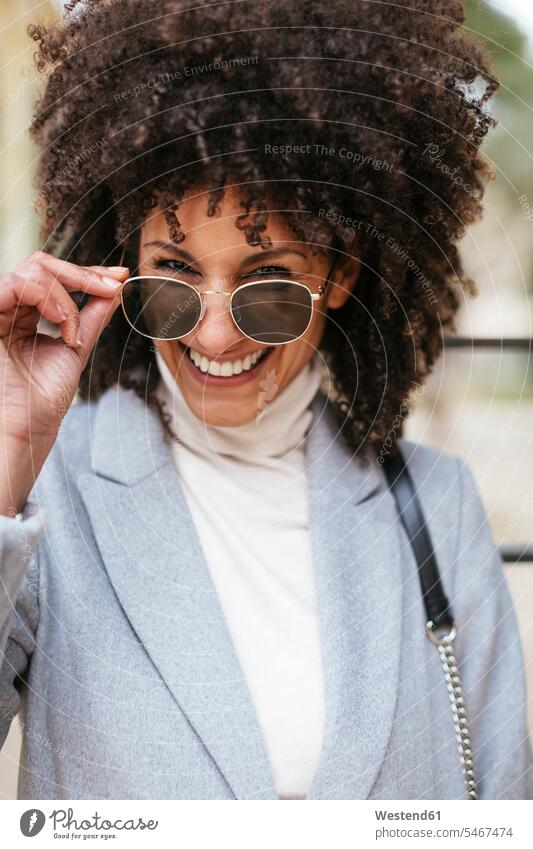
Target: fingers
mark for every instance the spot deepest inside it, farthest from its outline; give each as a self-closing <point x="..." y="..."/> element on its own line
<point x="95" y="280"/>
<point x="18" y="292"/>
<point x="43" y="282"/>
<point x="46" y="295"/>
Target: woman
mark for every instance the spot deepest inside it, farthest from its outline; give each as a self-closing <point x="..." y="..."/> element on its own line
<point x="207" y="592"/>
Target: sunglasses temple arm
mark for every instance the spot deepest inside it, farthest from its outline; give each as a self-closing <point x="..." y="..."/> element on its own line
<point x="327" y="281"/>
<point x="122" y="255"/>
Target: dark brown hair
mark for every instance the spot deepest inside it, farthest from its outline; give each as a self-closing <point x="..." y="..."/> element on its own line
<point x="363" y="117"/>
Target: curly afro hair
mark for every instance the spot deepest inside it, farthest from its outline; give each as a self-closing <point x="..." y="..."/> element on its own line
<point x="363" y="118"/>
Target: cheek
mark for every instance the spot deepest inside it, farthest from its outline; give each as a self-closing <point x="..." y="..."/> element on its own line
<point x="316" y="328"/>
<point x="296" y="355"/>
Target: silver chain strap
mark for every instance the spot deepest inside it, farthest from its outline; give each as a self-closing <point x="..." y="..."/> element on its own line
<point x="455" y="692"/>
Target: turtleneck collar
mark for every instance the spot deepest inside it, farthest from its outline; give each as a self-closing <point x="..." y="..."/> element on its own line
<point x="278" y="429"/>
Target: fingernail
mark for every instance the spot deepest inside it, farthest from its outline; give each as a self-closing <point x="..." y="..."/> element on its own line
<point x="61" y="310"/>
<point x="76" y="332"/>
<point x="118" y="268"/>
<point x="113" y="284"/>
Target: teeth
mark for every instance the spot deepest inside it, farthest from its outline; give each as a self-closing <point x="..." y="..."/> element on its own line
<point x="228" y="368"/>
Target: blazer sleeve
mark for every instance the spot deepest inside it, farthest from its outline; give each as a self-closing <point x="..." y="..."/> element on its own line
<point x="19" y="604"/>
<point x="490" y="655"/>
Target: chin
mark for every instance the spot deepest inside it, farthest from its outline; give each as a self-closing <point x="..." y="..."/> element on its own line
<point x="222" y="414"/>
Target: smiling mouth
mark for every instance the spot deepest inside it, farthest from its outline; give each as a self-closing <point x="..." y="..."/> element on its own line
<point x="228" y="368"/>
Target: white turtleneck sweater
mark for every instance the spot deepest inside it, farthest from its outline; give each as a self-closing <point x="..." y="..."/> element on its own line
<point x="246" y="489"/>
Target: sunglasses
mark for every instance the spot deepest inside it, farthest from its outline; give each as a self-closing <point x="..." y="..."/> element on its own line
<point x="272" y="311"/>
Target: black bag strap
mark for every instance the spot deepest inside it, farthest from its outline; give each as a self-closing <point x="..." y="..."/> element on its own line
<point x="438" y="611"/>
<point x="437" y="606"/>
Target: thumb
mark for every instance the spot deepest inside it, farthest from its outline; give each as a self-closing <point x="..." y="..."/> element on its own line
<point x="94" y="318"/>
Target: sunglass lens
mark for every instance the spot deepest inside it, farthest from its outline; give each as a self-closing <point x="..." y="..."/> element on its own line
<point x="272" y="311"/>
<point x="161" y="308"/>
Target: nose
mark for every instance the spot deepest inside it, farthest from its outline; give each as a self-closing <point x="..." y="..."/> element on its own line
<point x="216" y="332"/>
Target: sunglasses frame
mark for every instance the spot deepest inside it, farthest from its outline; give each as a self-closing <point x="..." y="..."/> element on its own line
<point x="313" y="296"/>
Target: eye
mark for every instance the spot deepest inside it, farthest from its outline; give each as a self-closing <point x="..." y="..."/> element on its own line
<point x="278" y="270"/>
<point x="175" y="265"/>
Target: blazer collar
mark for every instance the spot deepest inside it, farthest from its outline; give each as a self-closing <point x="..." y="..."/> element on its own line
<point x="150" y="548"/>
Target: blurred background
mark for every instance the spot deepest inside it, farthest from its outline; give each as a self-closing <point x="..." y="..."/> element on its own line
<point x="479" y="400"/>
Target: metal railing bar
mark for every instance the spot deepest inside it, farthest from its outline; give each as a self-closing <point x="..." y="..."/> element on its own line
<point x="504" y="343"/>
<point x="517" y="553"/>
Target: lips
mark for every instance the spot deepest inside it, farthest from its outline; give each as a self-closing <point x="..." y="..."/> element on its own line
<point x="218" y="380"/>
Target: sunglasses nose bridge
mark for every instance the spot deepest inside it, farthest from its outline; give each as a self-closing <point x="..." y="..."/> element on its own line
<point x="220" y="324"/>
<point x="203" y="300"/>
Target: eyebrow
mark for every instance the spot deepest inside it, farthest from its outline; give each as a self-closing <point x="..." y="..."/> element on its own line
<point x="269" y="253"/>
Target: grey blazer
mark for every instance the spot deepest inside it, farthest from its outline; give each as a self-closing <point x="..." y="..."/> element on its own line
<point x="116" y="652"/>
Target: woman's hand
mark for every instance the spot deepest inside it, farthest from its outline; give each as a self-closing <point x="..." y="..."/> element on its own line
<point x="39" y="375"/>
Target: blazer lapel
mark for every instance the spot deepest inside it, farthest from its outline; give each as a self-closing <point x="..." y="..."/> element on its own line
<point x="146" y="537"/>
<point x="150" y="548"/>
<point x="357" y="564"/>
